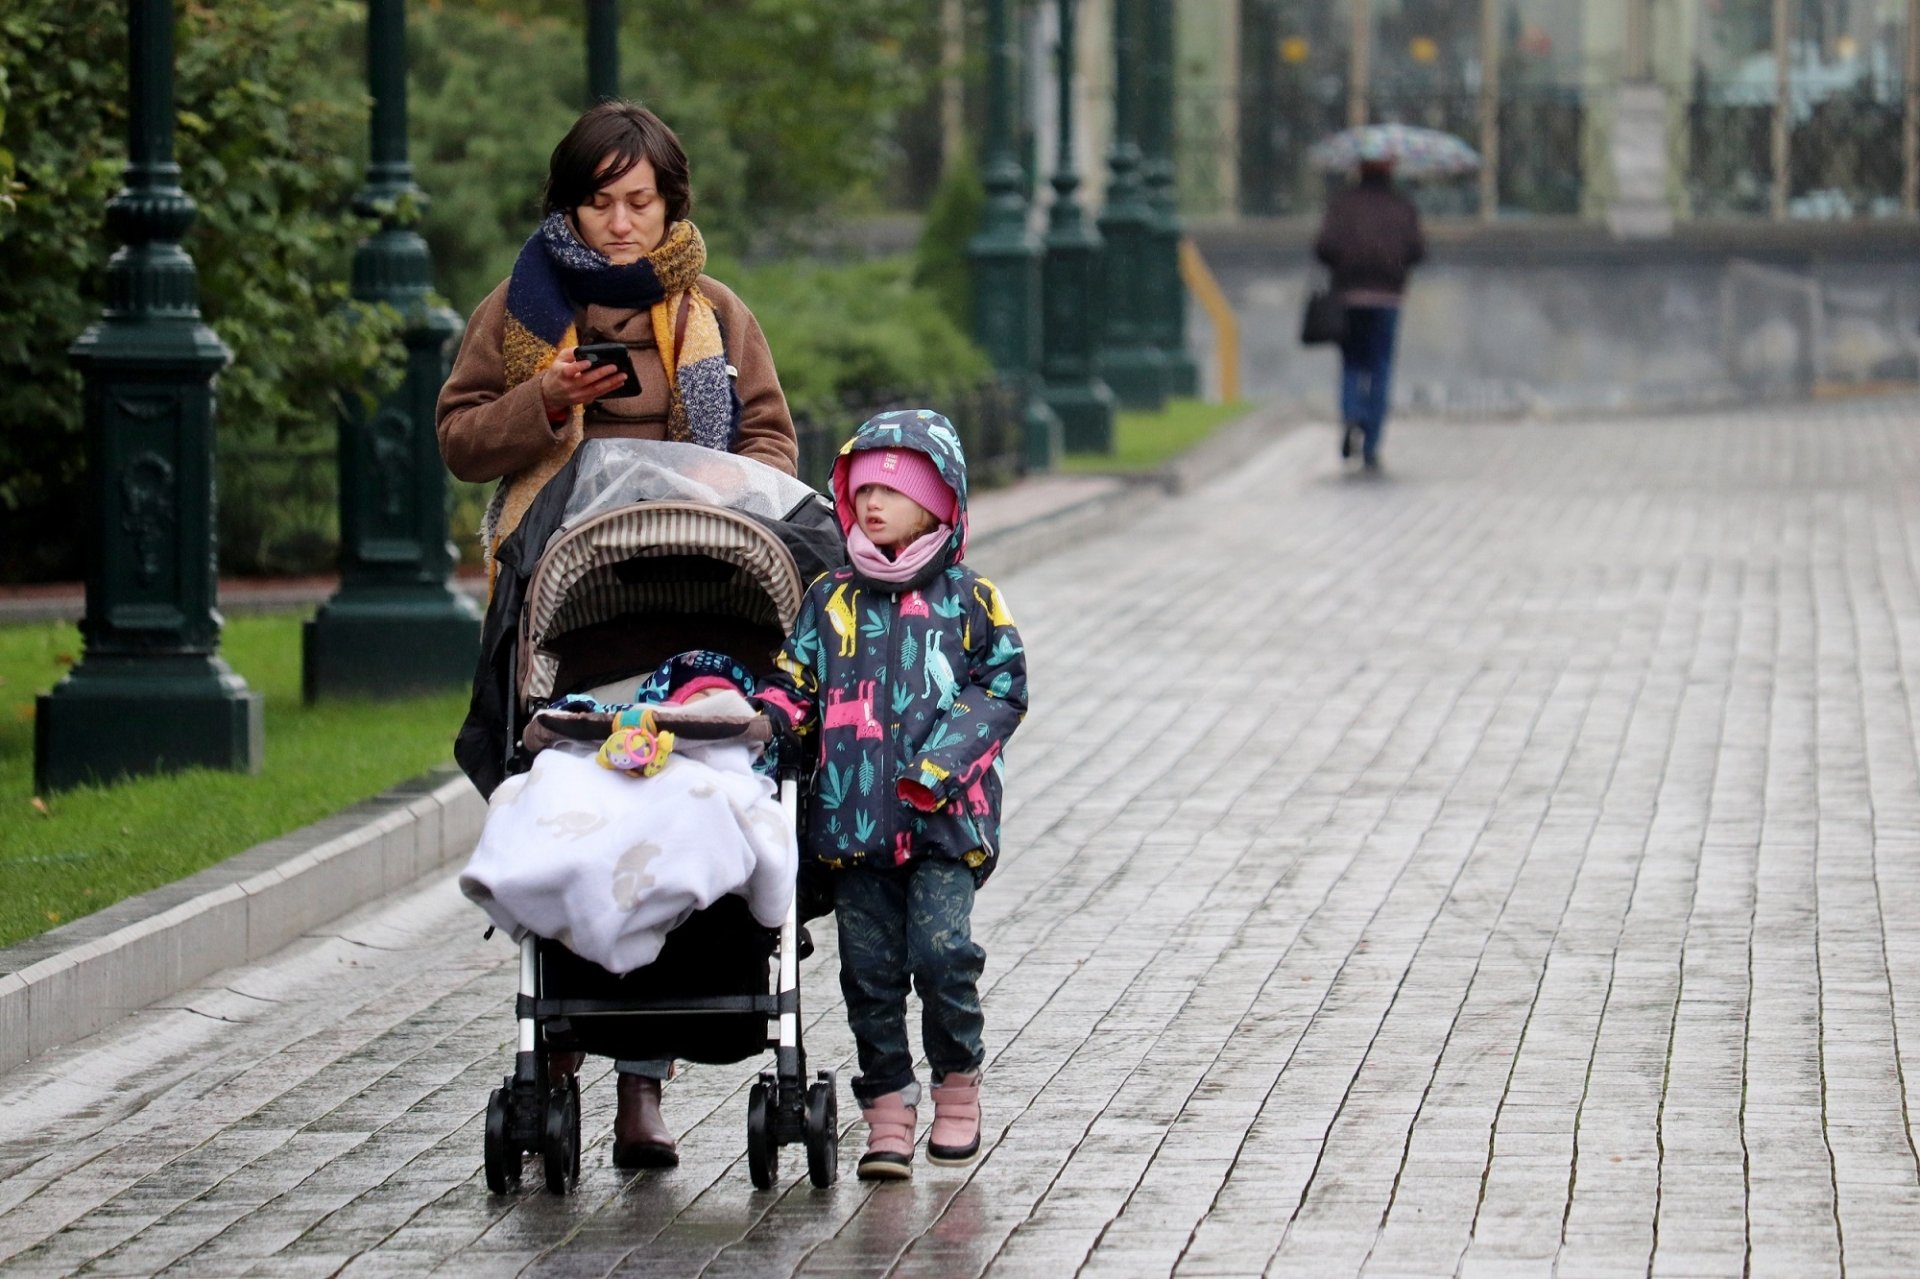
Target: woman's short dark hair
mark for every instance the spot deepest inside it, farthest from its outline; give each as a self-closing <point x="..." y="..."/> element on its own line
<point x="630" y="133"/>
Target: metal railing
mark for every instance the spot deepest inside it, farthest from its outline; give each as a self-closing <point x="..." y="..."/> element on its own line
<point x="1844" y="158"/>
<point x="1729" y="154"/>
<point x="1542" y="151"/>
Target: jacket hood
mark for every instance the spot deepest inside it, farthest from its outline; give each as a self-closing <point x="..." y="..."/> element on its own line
<point x="926" y="432"/>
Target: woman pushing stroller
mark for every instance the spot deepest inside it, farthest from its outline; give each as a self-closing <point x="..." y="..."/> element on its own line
<point x="906" y="671"/>
<point x="615" y="260"/>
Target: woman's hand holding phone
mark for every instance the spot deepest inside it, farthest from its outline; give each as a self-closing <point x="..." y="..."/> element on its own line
<point x="568" y="382"/>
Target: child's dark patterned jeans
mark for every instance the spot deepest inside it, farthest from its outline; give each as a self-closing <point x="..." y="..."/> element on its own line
<point x="896" y="925"/>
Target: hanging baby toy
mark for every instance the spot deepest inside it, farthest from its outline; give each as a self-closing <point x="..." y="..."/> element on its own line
<point x="638" y="746"/>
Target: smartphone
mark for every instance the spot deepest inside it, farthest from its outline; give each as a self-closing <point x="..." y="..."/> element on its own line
<point x="602" y="354"/>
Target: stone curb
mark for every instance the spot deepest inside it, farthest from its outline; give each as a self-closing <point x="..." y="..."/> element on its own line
<point x="79" y="978"/>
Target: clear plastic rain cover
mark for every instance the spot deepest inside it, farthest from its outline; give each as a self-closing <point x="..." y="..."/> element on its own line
<point x="616" y="472"/>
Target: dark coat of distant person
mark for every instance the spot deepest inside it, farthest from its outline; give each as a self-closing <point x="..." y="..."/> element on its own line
<point x="1370" y="239"/>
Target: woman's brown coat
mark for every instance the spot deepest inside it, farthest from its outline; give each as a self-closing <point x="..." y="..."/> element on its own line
<point x="488" y="431"/>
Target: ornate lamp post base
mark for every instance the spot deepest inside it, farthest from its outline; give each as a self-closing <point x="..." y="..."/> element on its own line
<point x="1130" y="361"/>
<point x="150" y="693"/>
<point x="1165" y="318"/>
<point x="115" y="717"/>
<point x="1070" y="284"/>
<point x="1045" y="435"/>
<point x="1085" y="409"/>
<point x="377" y="642"/>
<point x="396" y="626"/>
<point x="1179" y="374"/>
<point x="1006" y="306"/>
<point x="1137" y="375"/>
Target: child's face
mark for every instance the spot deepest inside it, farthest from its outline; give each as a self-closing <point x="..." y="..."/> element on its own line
<point x="890" y="518"/>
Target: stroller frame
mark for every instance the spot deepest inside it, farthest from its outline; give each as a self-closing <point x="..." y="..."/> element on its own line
<point x="531" y="1112"/>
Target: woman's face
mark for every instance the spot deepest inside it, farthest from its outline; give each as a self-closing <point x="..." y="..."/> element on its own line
<point x="626" y="219"/>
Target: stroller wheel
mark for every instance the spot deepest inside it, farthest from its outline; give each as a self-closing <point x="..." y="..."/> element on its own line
<point x="560" y="1148"/>
<point x="763" y="1155"/>
<point x="502" y="1155"/>
<point x="823" y="1132"/>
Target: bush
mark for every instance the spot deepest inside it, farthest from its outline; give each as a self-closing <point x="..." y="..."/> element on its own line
<point x="857" y="334"/>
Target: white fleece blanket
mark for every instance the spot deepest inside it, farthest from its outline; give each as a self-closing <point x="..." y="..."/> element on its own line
<point x="608" y="863"/>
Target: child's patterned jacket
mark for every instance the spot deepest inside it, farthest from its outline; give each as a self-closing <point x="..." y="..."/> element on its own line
<point x="912" y="690"/>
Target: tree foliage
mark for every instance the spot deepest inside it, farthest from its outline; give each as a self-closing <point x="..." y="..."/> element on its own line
<point x="261" y="141"/>
<point x="859" y="335"/>
<point x="784" y="106"/>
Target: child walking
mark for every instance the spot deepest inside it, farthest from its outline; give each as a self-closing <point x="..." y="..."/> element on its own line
<point x="907" y="668"/>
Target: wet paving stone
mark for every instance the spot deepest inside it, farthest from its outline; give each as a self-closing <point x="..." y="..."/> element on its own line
<point x="1506" y="866"/>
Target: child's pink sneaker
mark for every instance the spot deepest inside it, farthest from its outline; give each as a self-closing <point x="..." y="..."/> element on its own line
<point x="890" y="1125"/>
<point x="955" y="1138"/>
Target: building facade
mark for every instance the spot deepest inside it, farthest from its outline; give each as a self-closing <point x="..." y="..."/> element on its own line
<point x="1755" y="109"/>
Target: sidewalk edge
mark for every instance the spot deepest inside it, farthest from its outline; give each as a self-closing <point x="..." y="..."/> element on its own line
<point x="84" y="976"/>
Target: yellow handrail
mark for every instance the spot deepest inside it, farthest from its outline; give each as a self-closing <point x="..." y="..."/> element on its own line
<point x="1226" y="327"/>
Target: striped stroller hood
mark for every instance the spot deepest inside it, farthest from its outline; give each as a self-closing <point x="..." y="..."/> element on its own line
<point x="653" y="558"/>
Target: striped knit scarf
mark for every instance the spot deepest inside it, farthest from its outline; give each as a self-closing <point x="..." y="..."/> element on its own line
<point x="555" y="275"/>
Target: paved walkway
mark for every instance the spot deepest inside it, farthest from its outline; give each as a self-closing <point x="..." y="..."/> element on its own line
<point x="1508" y="867"/>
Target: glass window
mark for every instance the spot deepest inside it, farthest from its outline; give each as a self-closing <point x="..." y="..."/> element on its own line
<point x="1730" y="108"/>
<point x="1295" y="58"/>
<point x="1844" y="100"/>
<point x="1424" y="69"/>
<point x="1542" y="108"/>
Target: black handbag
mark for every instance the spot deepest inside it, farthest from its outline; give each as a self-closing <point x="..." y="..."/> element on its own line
<point x="1324" y="321"/>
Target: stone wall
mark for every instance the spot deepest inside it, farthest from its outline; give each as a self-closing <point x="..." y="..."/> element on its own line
<point x="1541" y="320"/>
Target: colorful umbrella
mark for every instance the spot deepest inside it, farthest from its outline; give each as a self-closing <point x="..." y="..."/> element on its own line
<point x="1414" y="152"/>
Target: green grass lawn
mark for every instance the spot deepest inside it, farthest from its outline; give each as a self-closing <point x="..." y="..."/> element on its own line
<point x="1146" y="441"/>
<point x="90" y="847"/>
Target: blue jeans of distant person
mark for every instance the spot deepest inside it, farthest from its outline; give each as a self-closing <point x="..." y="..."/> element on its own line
<point x="1366" y="372"/>
<point x="897" y="925"/>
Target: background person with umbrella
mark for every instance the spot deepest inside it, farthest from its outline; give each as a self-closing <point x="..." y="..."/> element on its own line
<point x="1370" y="239"/>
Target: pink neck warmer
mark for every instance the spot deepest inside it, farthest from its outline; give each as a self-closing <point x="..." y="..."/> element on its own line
<point x="905" y="566"/>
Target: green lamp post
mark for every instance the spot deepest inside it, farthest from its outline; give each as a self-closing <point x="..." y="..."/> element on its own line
<point x="603" y="50"/>
<point x="150" y="693"/>
<point x="396" y="625"/>
<point x="1130" y="360"/>
<point x="1167" y="315"/>
<point x="1005" y="256"/>
<point x="1070" y="284"/>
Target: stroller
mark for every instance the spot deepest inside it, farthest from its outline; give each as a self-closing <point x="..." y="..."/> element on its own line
<point x="635" y="551"/>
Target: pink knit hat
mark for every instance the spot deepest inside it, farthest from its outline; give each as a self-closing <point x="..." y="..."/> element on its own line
<point x="907" y="471"/>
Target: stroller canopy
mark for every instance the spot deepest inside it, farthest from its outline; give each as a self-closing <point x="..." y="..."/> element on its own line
<point x="657" y="528"/>
<point x="637" y="528"/>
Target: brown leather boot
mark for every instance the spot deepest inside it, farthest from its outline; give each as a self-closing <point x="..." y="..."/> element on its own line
<point x="563" y="1066"/>
<point x="641" y="1138"/>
